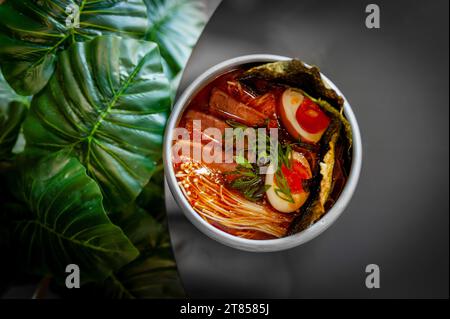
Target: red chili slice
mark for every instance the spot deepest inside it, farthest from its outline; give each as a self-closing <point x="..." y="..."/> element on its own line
<point x="311" y="118"/>
<point x="295" y="176"/>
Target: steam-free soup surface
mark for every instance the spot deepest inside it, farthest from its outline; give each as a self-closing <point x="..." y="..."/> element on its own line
<point x="236" y="196"/>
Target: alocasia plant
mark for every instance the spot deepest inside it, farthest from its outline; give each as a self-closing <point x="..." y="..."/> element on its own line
<point x="67" y="223"/>
<point x="174" y="25"/>
<point x="34" y="32"/>
<point x="107" y="104"/>
<point x="84" y="183"/>
<point x="154" y="272"/>
<point x="13" y="109"/>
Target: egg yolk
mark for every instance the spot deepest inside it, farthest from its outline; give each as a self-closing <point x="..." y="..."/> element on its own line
<point x="311" y="118"/>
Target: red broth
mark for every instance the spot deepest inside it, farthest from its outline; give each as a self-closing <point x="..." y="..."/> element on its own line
<point x="219" y="192"/>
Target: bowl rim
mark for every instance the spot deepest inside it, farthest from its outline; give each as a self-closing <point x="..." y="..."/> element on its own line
<point x="267" y="245"/>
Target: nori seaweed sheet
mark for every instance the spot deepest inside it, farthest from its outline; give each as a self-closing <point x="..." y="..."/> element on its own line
<point x="294" y="73"/>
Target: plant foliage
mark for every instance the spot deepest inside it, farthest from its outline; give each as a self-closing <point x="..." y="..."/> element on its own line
<point x="86" y="90"/>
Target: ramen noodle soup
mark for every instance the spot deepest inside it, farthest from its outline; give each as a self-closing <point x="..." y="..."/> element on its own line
<point x="263" y="151"/>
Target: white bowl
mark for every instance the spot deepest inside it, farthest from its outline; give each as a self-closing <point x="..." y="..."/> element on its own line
<point x="252" y="244"/>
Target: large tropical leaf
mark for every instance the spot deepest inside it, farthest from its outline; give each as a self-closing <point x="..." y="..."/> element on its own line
<point x="149" y="276"/>
<point x="67" y="223"/>
<point x="154" y="273"/>
<point x="107" y="103"/>
<point x="175" y="25"/>
<point x="152" y="196"/>
<point x="32" y="32"/>
<point x="13" y="108"/>
<point x="144" y="231"/>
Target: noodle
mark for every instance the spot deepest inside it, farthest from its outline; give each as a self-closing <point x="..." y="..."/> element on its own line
<point x="214" y="202"/>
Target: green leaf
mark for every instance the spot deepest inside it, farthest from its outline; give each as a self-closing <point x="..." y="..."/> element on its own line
<point x="33" y="32"/>
<point x="152" y="197"/>
<point x="13" y="109"/>
<point x="108" y="104"/>
<point x="144" y="231"/>
<point x="67" y="223"/>
<point x="153" y="274"/>
<point x="175" y="25"/>
<point x="149" y="276"/>
<point x="241" y="160"/>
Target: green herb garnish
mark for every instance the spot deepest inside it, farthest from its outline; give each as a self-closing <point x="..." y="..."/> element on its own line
<point x="249" y="183"/>
<point x="242" y="161"/>
<point x="235" y="124"/>
<point x="282" y="189"/>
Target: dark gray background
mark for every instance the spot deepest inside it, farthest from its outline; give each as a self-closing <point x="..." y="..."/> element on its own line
<point x="396" y="79"/>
